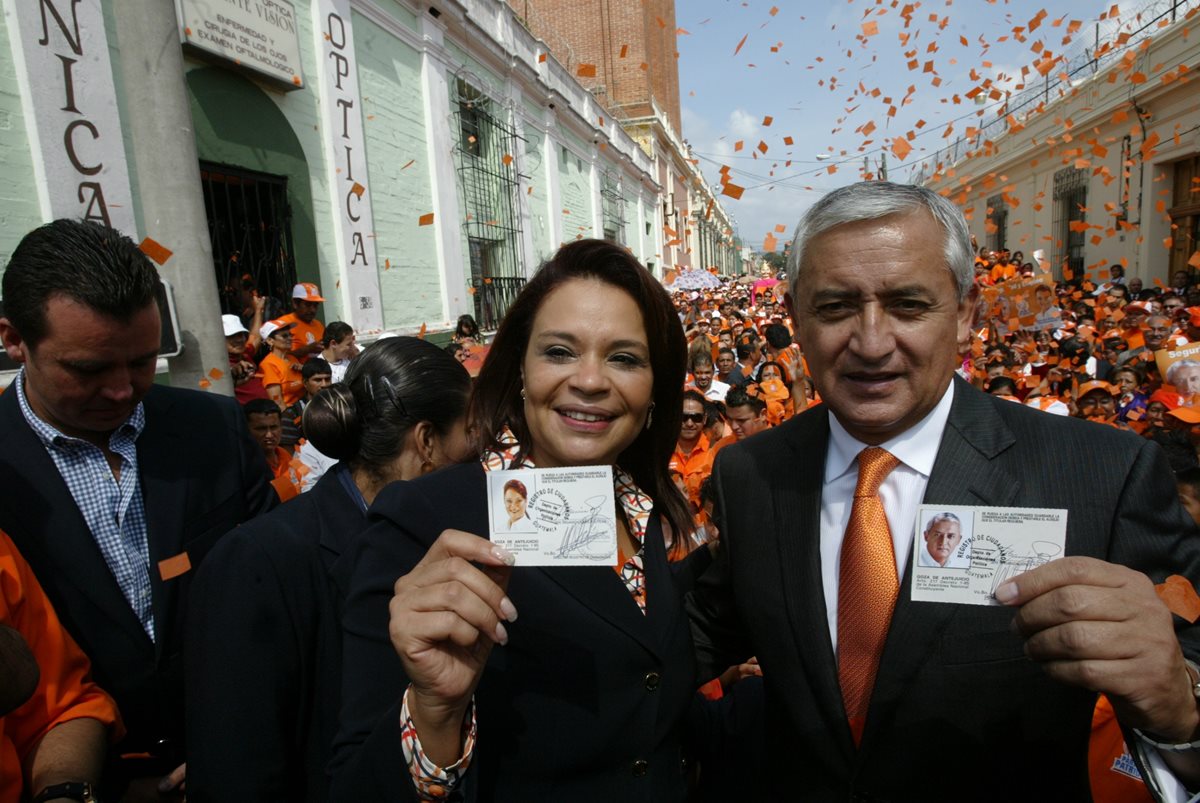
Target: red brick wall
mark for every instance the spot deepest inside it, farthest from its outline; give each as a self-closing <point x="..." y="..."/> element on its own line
<point x="597" y="32"/>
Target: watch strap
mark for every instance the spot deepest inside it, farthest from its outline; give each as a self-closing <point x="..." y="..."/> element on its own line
<point x="70" y="790"/>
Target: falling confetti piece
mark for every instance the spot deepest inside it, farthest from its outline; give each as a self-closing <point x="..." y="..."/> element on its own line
<point x="425" y="220"/>
<point x="155" y="250"/>
<point x="586" y="71"/>
<point x="358" y="189"/>
<point x="738" y="49"/>
<point x="411" y="162"/>
<point x="1178" y="594"/>
<point x="870" y="28"/>
<point x="204" y="384"/>
<point x="733" y="191"/>
<point x="216" y="374"/>
<point x="507" y="159"/>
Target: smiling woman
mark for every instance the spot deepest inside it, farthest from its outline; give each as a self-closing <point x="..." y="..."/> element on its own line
<point x="587" y="369"/>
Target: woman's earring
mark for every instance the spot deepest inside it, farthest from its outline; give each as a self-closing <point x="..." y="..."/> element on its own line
<point x="649" y="415"/>
<point x="522" y="394"/>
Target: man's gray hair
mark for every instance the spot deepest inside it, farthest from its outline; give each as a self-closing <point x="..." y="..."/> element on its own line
<point x="870" y="200"/>
<point x="939" y="518"/>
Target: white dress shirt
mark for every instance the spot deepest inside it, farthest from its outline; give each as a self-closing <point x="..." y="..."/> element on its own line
<point x="901" y="492"/>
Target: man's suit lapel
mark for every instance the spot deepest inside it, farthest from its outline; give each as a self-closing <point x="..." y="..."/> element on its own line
<point x="797" y="528"/>
<point x="963" y="474"/>
<point x="46" y="523"/>
<point x="165" y="482"/>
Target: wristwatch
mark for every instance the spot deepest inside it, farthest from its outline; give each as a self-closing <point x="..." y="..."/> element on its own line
<point x="71" y="790"/>
<point x="1193" y="672"/>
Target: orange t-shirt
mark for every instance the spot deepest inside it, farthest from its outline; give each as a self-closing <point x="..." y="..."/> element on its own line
<point x="287" y="475"/>
<point x="694" y="467"/>
<point x="65" y="690"/>
<point x="1114" y="776"/>
<point x="283" y="373"/>
<point x="303" y="333"/>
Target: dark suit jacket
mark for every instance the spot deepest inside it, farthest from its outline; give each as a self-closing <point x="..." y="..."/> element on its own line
<point x="264" y="654"/>
<point x="586" y="686"/>
<point x="201" y="476"/>
<point x="958" y="712"/>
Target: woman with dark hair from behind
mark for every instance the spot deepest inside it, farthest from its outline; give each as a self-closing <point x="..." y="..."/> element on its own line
<point x="582" y="697"/>
<point x="264" y="655"/>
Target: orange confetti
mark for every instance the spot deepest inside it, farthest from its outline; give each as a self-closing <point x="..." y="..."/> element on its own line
<point x="204" y="384"/>
<point x="425" y="220"/>
<point x="770" y="243"/>
<point x="1194" y="261"/>
<point x="155" y="250"/>
<point x="738" y="49"/>
<point x="541" y="58"/>
<point x="768" y="120"/>
<point x="733" y="191"/>
<point x="422" y="331"/>
<point x="216" y="373"/>
<point x="780" y="228"/>
<point x="870" y="28"/>
<point x="411" y="162"/>
<point x="358" y="189"/>
<point x="1178" y="594"/>
<point x="171" y="568"/>
<point x="507" y="159"/>
<point x="586" y="71"/>
<point x="624" y="52"/>
<point x="901" y="148"/>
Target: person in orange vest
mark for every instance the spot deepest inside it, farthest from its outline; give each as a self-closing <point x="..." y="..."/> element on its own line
<point x="308" y="332"/>
<point x="691" y="458"/>
<point x="265" y="422"/>
<point x="55" y="722"/>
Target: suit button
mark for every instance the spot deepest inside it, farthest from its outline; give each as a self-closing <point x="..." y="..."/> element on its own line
<point x="639" y="768"/>
<point x="652" y="679"/>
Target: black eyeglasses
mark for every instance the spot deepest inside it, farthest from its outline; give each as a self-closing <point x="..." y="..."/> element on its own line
<point x="695" y="418"/>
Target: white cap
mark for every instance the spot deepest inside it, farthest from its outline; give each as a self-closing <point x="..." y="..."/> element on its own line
<point x="271" y="327"/>
<point x="233" y="325"/>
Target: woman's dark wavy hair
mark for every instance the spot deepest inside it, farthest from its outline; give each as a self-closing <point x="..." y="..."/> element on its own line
<point x="496" y="400"/>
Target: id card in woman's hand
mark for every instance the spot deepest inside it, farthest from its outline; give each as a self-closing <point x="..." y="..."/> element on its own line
<point x="554" y="516"/>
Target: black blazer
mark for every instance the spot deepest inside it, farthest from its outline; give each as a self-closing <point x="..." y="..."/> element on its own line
<point x="264" y="651"/>
<point x="585" y="701"/>
<point x="958" y="712"/>
<point x="201" y="476"/>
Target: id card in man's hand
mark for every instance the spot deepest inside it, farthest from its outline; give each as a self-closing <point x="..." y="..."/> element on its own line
<point x="554" y="516"/>
<point x="962" y="554"/>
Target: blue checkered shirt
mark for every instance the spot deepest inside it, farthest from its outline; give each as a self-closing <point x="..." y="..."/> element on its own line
<point x="112" y="508"/>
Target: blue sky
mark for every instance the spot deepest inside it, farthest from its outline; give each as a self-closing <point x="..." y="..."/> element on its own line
<point x="790" y="60"/>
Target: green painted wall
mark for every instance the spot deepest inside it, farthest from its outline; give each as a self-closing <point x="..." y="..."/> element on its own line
<point x="539" y="219"/>
<point x="389" y="81"/>
<point x="575" y="191"/>
<point x="19" y="209"/>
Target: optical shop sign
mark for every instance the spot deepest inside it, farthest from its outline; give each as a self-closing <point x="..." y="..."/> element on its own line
<point x="259" y="35"/>
<point x="61" y="58"/>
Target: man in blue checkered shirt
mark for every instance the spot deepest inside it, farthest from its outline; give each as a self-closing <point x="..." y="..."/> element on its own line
<point x="114" y="487"/>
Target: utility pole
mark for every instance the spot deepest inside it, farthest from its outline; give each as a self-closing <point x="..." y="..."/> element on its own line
<point x="159" y="120"/>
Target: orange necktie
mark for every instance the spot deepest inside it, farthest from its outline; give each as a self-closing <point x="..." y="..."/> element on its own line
<point x="867" y="589"/>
